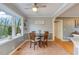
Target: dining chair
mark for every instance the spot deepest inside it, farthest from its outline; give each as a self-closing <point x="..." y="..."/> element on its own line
<point x="32" y="39"/>
<point x="39" y="38"/>
<point x="45" y="39"/>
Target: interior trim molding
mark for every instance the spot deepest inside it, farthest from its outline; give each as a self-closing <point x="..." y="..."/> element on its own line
<point x="62" y="9"/>
<point x="17" y="47"/>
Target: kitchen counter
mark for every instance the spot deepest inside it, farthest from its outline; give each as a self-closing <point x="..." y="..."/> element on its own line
<point x="75" y="41"/>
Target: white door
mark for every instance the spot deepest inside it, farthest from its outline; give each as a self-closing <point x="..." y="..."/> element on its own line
<point x="58" y="29"/>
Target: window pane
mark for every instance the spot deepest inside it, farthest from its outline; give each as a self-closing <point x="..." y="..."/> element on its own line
<point x="5" y="26"/>
<point x="18" y="25"/>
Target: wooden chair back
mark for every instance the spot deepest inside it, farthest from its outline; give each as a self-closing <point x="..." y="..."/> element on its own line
<point x="46" y="35"/>
<point x="32" y="35"/>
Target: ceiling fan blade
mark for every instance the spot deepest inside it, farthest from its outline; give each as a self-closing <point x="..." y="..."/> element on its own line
<point x="42" y="6"/>
<point x="37" y="5"/>
<point x="27" y="8"/>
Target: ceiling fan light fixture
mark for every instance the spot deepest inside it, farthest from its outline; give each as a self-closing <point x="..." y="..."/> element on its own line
<point x="2" y="13"/>
<point x="34" y="9"/>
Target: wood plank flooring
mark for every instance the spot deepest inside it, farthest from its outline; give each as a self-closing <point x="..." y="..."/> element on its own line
<point x="54" y="48"/>
<point x="67" y="45"/>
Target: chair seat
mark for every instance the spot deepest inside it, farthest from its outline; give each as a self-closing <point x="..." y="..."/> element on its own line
<point x="32" y="41"/>
<point x="35" y="40"/>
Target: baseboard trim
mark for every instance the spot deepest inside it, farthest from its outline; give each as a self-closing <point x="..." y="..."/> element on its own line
<point x="51" y="40"/>
<point x="48" y="40"/>
<point x="62" y="39"/>
<point x="17" y="47"/>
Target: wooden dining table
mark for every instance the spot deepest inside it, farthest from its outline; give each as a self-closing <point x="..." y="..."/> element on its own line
<point x="39" y="38"/>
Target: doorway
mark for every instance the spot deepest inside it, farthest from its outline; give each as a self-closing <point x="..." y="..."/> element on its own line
<point x="58" y="28"/>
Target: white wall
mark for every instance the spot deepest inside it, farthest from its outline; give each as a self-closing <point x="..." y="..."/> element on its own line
<point x="8" y="46"/>
<point x="68" y="27"/>
<point x="47" y="26"/>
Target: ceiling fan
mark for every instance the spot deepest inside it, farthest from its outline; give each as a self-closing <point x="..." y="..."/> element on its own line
<point x="35" y="7"/>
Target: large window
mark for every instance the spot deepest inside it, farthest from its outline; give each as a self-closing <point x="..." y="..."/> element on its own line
<point x="10" y="26"/>
<point x="5" y="26"/>
<point x="18" y="25"/>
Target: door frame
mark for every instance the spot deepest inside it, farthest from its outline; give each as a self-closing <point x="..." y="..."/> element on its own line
<point x="61" y="29"/>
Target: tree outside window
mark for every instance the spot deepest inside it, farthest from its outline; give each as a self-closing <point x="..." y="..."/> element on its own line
<point x="5" y="26"/>
<point x="18" y="25"/>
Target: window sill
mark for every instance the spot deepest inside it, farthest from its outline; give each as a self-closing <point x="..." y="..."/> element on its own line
<point x="5" y="40"/>
<point x="16" y="36"/>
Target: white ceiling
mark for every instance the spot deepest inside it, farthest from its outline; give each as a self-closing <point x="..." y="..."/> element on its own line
<point x="71" y="12"/>
<point x="51" y="9"/>
<point x="47" y="11"/>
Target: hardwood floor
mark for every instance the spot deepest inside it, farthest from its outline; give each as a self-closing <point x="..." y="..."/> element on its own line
<point x="54" y="48"/>
<point x="67" y="45"/>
